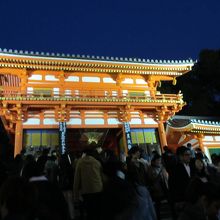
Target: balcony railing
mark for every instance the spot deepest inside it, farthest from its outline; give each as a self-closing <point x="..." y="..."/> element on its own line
<point x="81" y="94"/>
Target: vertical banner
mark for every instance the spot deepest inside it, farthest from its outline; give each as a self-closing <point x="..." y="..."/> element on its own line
<point x="128" y="134"/>
<point x="62" y="137"/>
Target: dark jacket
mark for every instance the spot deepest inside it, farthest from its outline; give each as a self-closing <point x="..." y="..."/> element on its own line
<point x="179" y="181"/>
<point x="136" y="173"/>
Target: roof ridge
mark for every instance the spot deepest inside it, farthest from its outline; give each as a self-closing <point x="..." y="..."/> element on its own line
<point x="93" y="57"/>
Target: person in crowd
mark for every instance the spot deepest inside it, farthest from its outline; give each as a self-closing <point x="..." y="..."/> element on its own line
<point x="180" y="179"/>
<point x="209" y="167"/>
<point x="41" y="161"/>
<point x="3" y="173"/>
<point x="137" y="177"/>
<point x="158" y="182"/>
<point x="122" y="200"/>
<point x="16" y="199"/>
<point x="200" y="154"/>
<point x="200" y="170"/>
<point x="88" y="182"/>
<point x="48" y="201"/>
<point x="215" y="176"/>
<point x="16" y="166"/>
<point x="144" y="158"/>
<point x="23" y="153"/>
<point x="215" y="159"/>
<point x="29" y="168"/>
<point x="51" y="169"/>
<point x="66" y="179"/>
<point x="136" y="172"/>
<point x="192" y="151"/>
<point x="102" y="155"/>
<point x="169" y="160"/>
<point x="33" y="199"/>
<point x="31" y="172"/>
<point x="118" y="195"/>
<point x="202" y="201"/>
<point x="98" y="151"/>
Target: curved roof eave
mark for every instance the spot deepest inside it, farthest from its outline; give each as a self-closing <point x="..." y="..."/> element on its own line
<point x="116" y="60"/>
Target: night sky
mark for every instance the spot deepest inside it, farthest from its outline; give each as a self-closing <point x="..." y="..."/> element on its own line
<point x="159" y="29"/>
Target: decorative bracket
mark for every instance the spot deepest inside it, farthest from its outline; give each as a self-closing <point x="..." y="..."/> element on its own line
<point x="62" y="113"/>
<point x="124" y="114"/>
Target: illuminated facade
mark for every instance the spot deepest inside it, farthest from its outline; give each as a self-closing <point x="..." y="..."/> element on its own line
<point x="40" y="90"/>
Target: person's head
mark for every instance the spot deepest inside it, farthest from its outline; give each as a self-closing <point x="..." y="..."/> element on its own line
<point x="198" y="149"/>
<point x="200" y="155"/>
<point x="110" y="168"/>
<point x="29" y="158"/>
<point x="134" y="152"/>
<point x="154" y="152"/>
<point x="98" y="149"/>
<point x="156" y="160"/>
<point x="23" y="151"/>
<point x="199" y="165"/>
<point x="200" y="169"/>
<point x="45" y="151"/>
<point x="89" y="151"/>
<point x="18" y="158"/>
<point x="31" y="169"/>
<point x="189" y="145"/>
<point x="184" y="154"/>
<point x="165" y="148"/>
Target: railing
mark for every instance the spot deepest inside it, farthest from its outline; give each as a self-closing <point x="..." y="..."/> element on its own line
<point x="97" y="94"/>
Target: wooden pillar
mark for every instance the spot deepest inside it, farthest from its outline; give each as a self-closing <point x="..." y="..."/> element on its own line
<point x="162" y="134"/>
<point x="18" y="137"/>
<point x="200" y="140"/>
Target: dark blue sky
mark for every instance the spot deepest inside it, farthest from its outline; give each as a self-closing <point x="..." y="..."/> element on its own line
<point x="157" y="29"/>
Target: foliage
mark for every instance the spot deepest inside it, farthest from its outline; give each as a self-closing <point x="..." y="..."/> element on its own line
<point x="201" y="86"/>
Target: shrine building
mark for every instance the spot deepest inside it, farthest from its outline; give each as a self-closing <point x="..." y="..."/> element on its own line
<point x="112" y="101"/>
<point x="200" y="132"/>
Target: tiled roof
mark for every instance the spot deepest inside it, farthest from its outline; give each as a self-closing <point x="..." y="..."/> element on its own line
<point x="205" y="122"/>
<point x="88" y="57"/>
<point x="182" y="121"/>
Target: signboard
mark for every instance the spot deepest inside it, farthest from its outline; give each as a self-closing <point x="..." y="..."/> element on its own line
<point x="128" y="135"/>
<point x="62" y="137"/>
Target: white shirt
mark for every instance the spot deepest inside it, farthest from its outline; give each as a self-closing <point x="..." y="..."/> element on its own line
<point x="187" y="167"/>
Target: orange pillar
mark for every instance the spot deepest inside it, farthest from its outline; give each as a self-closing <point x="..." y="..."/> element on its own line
<point x="18" y="137"/>
<point x="162" y="135"/>
<point x="200" y="140"/>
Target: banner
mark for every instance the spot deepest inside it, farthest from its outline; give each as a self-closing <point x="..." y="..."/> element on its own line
<point x="128" y="135"/>
<point x="62" y="137"/>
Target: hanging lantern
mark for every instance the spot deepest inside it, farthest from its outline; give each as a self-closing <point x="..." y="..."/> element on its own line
<point x="174" y="81"/>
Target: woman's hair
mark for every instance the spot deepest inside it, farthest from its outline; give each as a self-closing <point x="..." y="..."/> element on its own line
<point x="133" y="150"/>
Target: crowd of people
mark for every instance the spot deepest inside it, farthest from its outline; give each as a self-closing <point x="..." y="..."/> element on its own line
<point x="96" y="185"/>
